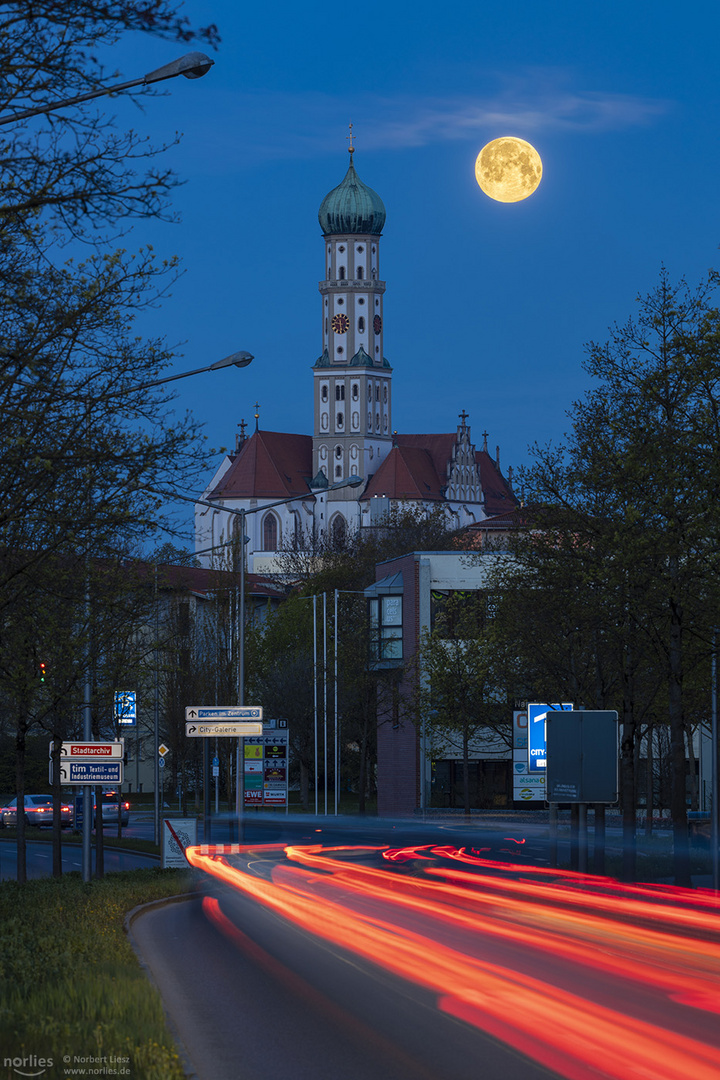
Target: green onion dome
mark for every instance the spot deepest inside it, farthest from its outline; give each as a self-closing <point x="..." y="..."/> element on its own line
<point x="352" y="207"/>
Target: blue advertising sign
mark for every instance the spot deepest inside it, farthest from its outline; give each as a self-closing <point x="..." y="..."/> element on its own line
<point x="537" y="733"/>
<point x="126" y="707"/>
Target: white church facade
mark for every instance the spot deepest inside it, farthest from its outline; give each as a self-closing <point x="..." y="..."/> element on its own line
<point x="353" y="436"/>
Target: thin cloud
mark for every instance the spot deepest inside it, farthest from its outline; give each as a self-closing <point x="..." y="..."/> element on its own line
<point x="267" y="126"/>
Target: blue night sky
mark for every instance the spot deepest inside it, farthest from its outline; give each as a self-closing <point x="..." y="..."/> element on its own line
<point x="488" y="305"/>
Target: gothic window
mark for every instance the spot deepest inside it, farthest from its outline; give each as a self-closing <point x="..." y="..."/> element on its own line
<point x="385" y="393"/>
<point x="355" y="391"/>
<point x="361" y="325"/>
<point x="377" y="391"/>
<point x="338" y="531"/>
<point x="339" y="392"/>
<point x="338" y="472"/>
<point x="360" y="273"/>
<point x="270" y="533"/>
<point x="324" y="392"/>
<point x="339" y="420"/>
<point x="338" y="451"/>
<point x="341" y="273"/>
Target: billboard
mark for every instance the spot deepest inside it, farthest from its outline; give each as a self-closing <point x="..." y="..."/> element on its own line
<point x="537" y="734"/>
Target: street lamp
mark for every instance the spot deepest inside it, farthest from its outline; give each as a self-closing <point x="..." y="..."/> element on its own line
<point x="193" y="66"/>
<point x="236" y="359"/>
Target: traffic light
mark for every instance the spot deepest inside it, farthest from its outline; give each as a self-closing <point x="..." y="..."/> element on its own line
<point x="42" y="671"/>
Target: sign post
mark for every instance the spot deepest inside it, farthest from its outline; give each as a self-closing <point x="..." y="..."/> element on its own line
<point x="220" y="721"/>
<point x="582" y="768"/>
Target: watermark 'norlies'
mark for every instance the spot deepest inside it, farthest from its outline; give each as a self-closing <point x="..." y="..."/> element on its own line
<point x="29" y="1065"/>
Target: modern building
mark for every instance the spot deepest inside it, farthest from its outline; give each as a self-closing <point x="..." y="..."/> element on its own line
<point x="353" y="433"/>
<point x="416" y="773"/>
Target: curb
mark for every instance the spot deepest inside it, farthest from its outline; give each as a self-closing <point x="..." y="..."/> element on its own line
<point x="185" y="1060"/>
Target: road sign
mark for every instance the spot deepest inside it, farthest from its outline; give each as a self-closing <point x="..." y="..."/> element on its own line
<point x="178" y="834"/>
<point x="161" y="762"/>
<point x="90" y="772"/>
<point x="220" y="730"/>
<point x="224" y="712"/>
<point x="537" y="734"/>
<point x="163" y="749"/>
<point x="582" y="756"/>
<point x="78" y="750"/>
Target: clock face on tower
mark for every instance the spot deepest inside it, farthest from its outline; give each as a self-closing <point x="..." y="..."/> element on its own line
<point x="377" y="324"/>
<point x="340" y="324"/>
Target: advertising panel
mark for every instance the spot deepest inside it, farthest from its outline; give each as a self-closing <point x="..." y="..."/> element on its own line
<point x="537" y="733"/>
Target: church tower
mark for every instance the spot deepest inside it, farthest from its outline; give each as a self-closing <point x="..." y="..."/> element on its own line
<point x="352" y="380"/>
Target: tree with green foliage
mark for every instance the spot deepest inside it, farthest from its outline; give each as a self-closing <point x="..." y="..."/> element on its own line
<point x="81" y="441"/>
<point x="631" y="525"/>
<point x="459" y="700"/>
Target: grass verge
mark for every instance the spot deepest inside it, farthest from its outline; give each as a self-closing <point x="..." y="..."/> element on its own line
<point x="71" y="987"/>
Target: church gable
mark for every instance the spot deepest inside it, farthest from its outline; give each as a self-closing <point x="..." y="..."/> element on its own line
<point x="406" y="473"/>
<point x="270" y="465"/>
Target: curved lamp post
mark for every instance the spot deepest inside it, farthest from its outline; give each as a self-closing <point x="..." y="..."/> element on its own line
<point x="236" y="359"/>
<point x="193" y="66"/>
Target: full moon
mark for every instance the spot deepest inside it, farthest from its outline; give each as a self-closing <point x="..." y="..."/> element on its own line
<point x="508" y="169"/>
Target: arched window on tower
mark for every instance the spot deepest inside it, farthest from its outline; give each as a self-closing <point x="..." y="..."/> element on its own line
<point x="361" y="325"/>
<point x="339" y="391"/>
<point x="270" y="533"/>
<point x="341" y="273"/>
<point x="360" y="273"/>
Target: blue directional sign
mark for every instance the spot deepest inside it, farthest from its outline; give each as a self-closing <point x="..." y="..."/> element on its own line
<point x="90" y="772"/>
<point x="223" y="712"/>
<point x="537" y="734"/>
<point x="126" y="707"/>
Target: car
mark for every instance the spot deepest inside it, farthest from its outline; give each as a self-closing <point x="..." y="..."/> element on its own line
<point x="109" y="808"/>
<point x="38" y="811"/>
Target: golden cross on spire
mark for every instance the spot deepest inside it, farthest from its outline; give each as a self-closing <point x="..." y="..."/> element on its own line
<point x="257" y="414"/>
<point x="350" y="137"/>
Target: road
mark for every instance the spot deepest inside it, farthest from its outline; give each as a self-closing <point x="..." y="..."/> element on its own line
<point x="39" y="855"/>
<point x="420" y="962"/>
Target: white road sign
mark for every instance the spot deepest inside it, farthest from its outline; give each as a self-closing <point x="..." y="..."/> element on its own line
<point x="231" y="730"/>
<point x="83" y="750"/>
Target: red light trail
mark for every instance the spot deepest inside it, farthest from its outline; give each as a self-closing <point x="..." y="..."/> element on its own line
<point x="584" y="975"/>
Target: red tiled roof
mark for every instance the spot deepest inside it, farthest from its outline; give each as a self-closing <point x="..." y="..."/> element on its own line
<point x="417" y="468"/>
<point x="496" y="490"/>
<point x="439" y="447"/>
<point x="270" y="465"/>
<point x="406" y="473"/>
